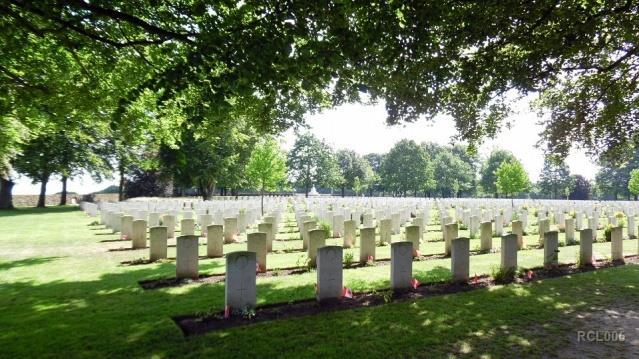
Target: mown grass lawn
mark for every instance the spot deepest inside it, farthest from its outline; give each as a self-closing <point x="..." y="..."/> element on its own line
<point x="65" y="294"/>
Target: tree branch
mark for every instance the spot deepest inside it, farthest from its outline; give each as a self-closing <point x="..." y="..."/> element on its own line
<point x="118" y="15"/>
<point x="92" y="35"/>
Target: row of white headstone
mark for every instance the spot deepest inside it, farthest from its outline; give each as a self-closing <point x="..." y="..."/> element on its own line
<point x="241" y="267"/>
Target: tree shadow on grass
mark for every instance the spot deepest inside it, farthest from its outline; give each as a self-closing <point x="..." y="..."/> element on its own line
<point x="26" y="262"/>
<point x="505" y="321"/>
<point x="35" y="210"/>
<point x="113" y="316"/>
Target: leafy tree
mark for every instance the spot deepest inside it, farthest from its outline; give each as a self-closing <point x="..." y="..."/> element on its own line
<point x="276" y="61"/>
<point x="208" y="156"/>
<point x="633" y="183"/>
<point x="511" y="178"/>
<point x="581" y="57"/>
<point x="352" y="166"/>
<point x="145" y="183"/>
<point x="554" y="179"/>
<point x="469" y="156"/>
<point x="581" y="189"/>
<point x="11" y="138"/>
<point x="357" y="186"/>
<point x="375" y="161"/>
<point x="38" y="161"/>
<point x="405" y="168"/>
<point x="266" y="168"/>
<point x="612" y="179"/>
<point x="612" y="182"/>
<point x="311" y="162"/>
<point x="488" y="177"/>
<point x="452" y="175"/>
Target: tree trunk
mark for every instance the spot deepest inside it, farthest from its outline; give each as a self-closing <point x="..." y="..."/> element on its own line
<point x="206" y="190"/>
<point x="342" y="191"/>
<point x="42" y="198"/>
<point x="6" y="198"/>
<point x="63" y="195"/>
<point x="306" y="191"/>
<point x="262" y="200"/>
<point x="121" y="186"/>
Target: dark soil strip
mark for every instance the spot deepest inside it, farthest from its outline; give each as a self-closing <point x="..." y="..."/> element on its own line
<point x="123" y="249"/>
<point x="197" y="324"/>
<point x="114" y="240"/>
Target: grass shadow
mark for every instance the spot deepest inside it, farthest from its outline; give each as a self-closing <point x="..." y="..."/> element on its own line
<point x="27" y="262"/>
<point x="20" y="211"/>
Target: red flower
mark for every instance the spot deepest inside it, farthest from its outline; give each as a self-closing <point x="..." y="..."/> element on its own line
<point x="415" y="283"/>
<point x="347" y="293"/>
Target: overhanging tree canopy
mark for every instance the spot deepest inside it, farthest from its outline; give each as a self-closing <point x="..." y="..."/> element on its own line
<point x="423" y="57"/>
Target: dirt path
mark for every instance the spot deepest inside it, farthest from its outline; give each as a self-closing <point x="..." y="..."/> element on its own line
<point x="610" y="332"/>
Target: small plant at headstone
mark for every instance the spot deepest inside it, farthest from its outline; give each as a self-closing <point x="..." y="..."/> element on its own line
<point x="277" y="273"/>
<point x="503" y="275"/>
<point x="247" y="312"/>
<point x="579" y="263"/>
<point x="326" y="227"/>
<point x="94" y="223"/>
<point x="608" y="232"/>
<point x="552" y="263"/>
<point x="305" y="262"/>
<point x="348" y="259"/>
<point x="138" y="261"/>
<point x="387" y="295"/>
<point x="621" y="222"/>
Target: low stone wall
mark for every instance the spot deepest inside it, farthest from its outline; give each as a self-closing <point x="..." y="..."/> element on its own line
<point x="54" y="199"/>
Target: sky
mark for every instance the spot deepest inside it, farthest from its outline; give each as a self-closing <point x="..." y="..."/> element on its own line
<point x="362" y="128"/>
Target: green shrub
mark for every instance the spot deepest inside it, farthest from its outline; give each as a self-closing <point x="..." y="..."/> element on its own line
<point x="608" y="232"/>
<point x="348" y="259"/>
<point x="621" y="222"/>
<point x="326" y="227"/>
<point x="502" y="275"/>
